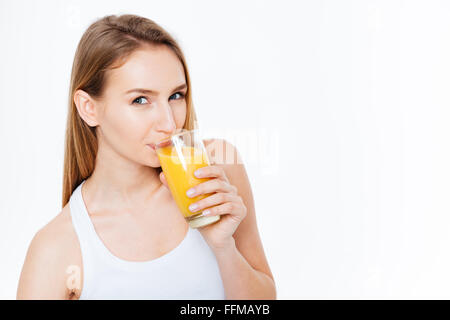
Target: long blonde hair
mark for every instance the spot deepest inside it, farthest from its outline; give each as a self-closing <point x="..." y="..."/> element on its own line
<point x="105" y="45"/>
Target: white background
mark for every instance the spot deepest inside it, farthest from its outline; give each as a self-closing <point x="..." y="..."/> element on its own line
<point x="342" y="109"/>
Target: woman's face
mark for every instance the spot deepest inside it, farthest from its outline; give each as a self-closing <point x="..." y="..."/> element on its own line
<point x="143" y="102"/>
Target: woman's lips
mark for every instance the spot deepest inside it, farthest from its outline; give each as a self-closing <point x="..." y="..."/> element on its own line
<point x="151" y="145"/>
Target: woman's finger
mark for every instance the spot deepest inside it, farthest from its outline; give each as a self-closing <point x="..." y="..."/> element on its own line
<point x="162" y="177"/>
<point x="213" y="200"/>
<point x="213" y="185"/>
<point x="211" y="172"/>
<point x="233" y="208"/>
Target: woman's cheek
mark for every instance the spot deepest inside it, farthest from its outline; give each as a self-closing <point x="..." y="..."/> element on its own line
<point x="180" y="116"/>
<point x="124" y="128"/>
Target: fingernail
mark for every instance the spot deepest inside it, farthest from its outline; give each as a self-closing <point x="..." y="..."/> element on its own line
<point x="206" y="212"/>
<point x="190" y="192"/>
<point x="193" y="206"/>
<point x="198" y="173"/>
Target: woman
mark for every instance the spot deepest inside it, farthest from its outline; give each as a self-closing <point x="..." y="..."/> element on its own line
<point x="120" y="234"/>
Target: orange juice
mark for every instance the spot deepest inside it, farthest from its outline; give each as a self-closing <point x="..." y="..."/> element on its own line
<point x="179" y="173"/>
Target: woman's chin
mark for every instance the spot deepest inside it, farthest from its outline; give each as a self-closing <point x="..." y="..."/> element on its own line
<point x="153" y="162"/>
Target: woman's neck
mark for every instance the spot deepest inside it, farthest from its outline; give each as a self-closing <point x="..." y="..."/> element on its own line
<point x="120" y="184"/>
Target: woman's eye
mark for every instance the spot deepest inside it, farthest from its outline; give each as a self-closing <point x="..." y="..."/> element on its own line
<point x="181" y="95"/>
<point x="139" y="99"/>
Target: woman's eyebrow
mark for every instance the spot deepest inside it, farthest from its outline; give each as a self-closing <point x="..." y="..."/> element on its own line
<point x="148" y="91"/>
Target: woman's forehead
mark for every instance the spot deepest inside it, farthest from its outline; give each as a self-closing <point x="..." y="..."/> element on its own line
<point x="157" y="69"/>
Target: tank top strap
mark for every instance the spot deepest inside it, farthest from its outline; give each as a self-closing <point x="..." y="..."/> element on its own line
<point x="80" y="219"/>
<point x="82" y="226"/>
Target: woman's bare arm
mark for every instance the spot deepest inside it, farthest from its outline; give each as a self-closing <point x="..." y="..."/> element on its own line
<point x="50" y="256"/>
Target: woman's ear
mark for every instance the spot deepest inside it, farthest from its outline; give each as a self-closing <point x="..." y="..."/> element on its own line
<point x="86" y="107"/>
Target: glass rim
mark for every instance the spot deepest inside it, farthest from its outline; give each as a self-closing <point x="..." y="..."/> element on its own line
<point x="157" y="145"/>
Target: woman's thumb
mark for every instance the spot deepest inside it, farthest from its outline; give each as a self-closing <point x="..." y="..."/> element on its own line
<point x="163" y="179"/>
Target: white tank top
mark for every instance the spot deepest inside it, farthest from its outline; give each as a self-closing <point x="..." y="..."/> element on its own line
<point x="190" y="271"/>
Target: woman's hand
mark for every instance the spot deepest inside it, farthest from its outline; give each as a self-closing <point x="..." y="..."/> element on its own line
<point x="223" y="201"/>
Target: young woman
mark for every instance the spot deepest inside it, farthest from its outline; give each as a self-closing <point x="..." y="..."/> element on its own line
<point x="119" y="234"/>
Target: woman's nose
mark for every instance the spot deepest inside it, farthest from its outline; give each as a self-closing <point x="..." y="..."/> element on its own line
<point x="166" y="121"/>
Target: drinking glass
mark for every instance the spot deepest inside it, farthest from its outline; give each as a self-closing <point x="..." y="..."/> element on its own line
<point x="180" y="156"/>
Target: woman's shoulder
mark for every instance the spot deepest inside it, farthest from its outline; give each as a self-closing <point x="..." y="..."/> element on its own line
<point x="53" y="251"/>
<point x="57" y="234"/>
<point x="222" y="152"/>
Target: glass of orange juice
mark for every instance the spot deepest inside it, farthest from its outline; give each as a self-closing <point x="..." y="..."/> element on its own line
<point x="180" y="156"/>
